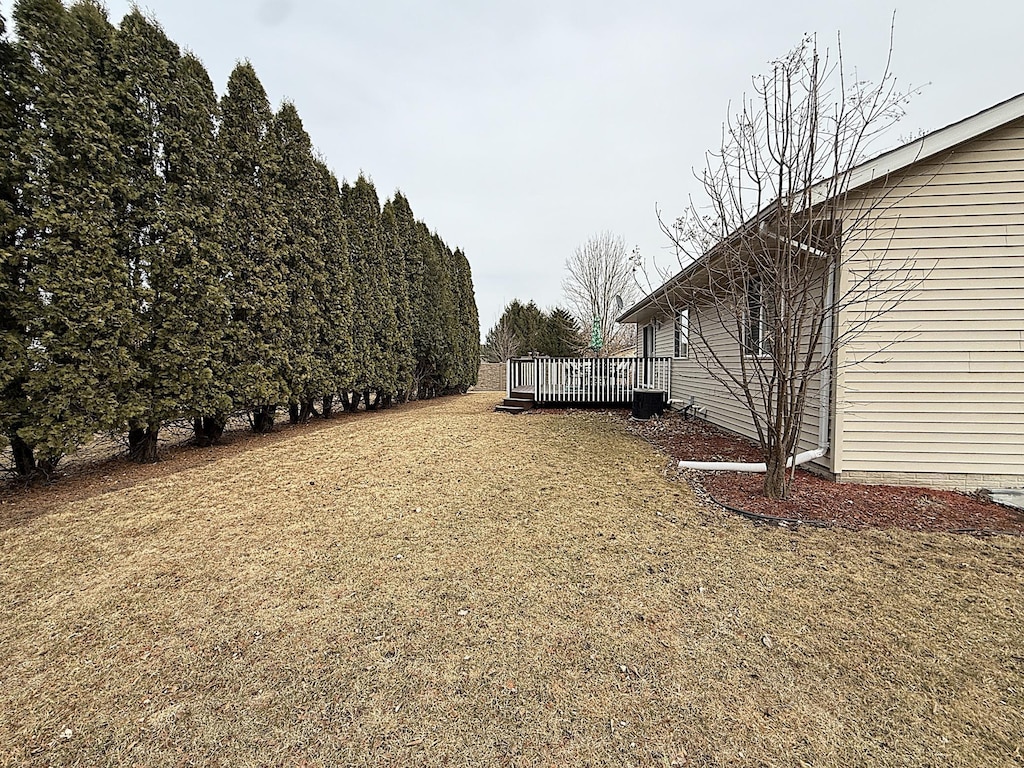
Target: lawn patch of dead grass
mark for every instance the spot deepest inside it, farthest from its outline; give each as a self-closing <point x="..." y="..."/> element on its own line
<point x="445" y="585"/>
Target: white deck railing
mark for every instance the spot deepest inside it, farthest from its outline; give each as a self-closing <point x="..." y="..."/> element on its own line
<point x="588" y="379"/>
<point x="521" y="374"/>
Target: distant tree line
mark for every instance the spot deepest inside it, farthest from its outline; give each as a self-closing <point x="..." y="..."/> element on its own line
<point x="599" y="283"/>
<point x="525" y="329"/>
<point x="168" y="254"/>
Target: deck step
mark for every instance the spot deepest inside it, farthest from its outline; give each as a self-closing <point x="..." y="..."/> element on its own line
<point x="510" y="409"/>
<point x="518" y="403"/>
<point x="521" y="402"/>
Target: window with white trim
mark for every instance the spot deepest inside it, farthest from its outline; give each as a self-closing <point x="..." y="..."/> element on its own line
<point x="756" y="321"/>
<point x="682" y="333"/>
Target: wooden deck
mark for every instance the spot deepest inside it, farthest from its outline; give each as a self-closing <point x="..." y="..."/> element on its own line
<point x="586" y="380"/>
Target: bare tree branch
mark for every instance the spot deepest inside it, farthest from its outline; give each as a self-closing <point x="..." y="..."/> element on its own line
<point x="502" y="341"/>
<point x="780" y="224"/>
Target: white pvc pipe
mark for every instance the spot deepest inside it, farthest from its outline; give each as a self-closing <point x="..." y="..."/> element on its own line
<point x="825" y="380"/>
<point x="738" y="466"/>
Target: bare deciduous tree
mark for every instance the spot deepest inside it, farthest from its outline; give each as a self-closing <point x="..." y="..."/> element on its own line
<point x="502" y="341"/>
<point x="600" y="281"/>
<point x="761" y="261"/>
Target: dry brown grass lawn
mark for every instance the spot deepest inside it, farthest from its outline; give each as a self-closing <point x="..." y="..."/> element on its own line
<point x="443" y="585"/>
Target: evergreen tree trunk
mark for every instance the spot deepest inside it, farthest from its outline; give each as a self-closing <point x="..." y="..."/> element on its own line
<point x="293" y="413"/>
<point x="24" y="457"/>
<point x="208" y="430"/>
<point x="263" y="419"/>
<point x="214" y="427"/>
<point x="143" y="443"/>
<point x="328" y="406"/>
<point x="307" y="411"/>
<point x="46" y="467"/>
<point x="202" y="439"/>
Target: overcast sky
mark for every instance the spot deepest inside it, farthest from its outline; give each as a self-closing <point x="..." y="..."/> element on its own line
<point x="519" y="129"/>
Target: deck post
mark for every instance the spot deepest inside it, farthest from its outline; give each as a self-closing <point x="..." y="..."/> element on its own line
<point x="508" y="377"/>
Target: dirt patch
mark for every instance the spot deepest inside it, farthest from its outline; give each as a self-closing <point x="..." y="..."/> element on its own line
<point x="813" y="498"/>
<point x="442" y="585"/>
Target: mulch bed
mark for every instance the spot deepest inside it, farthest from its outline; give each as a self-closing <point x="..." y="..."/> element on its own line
<point x="815" y="499"/>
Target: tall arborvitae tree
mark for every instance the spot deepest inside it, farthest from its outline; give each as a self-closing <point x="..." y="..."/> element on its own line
<point x="414" y="258"/>
<point x="81" y="365"/>
<point x="433" y="315"/>
<point x="193" y="208"/>
<point x="448" y="361"/>
<point x="16" y="304"/>
<point x="373" y="323"/>
<point x="258" y="339"/>
<point x="426" y="330"/>
<point x="168" y="233"/>
<point x="468" y="319"/>
<point x="303" y="235"/>
<point x="144" y="61"/>
<point x="336" y="345"/>
<point x="399" y="227"/>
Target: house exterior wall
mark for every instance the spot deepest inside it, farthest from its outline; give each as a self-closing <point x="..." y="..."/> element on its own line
<point x="932" y="393"/>
<point x="663" y="338"/>
<point x="691" y="379"/>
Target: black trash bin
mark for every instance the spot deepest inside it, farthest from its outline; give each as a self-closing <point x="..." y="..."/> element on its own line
<point x="648" y="402"/>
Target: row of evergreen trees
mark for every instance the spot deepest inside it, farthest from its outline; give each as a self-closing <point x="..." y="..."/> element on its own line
<point x="167" y="254"/>
<point x="526" y="329"/>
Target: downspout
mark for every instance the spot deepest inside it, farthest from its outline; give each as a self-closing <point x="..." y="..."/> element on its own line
<point x="825" y="382"/>
<point x="741" y="466"/>
<point x="824" y="409"/>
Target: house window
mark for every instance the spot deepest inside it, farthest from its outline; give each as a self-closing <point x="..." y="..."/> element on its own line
<point x="682" y="333"/>
<point x="756" y="322"/>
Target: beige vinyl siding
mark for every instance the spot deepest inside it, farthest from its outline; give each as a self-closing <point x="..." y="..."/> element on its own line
<point x="934" y="390"/>
<point x="664" y="338"/>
